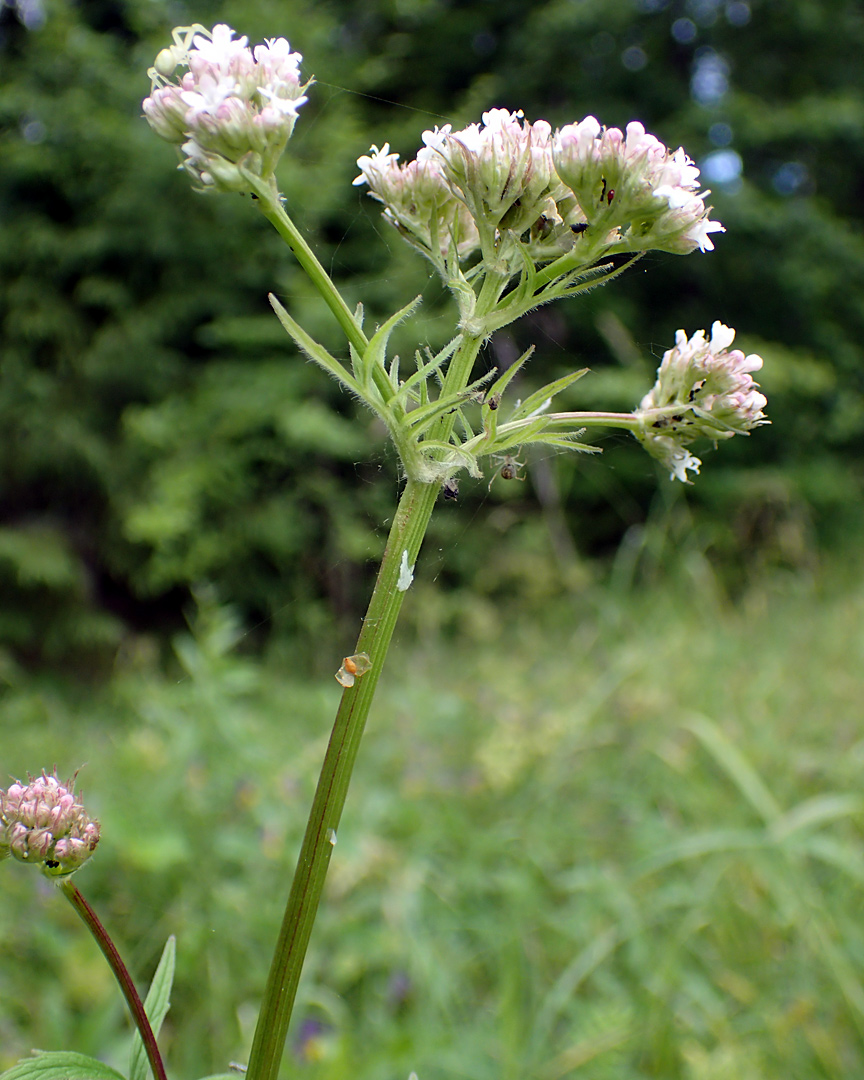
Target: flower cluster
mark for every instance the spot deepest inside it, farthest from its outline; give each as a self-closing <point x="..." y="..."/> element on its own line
<point x="551" y="190"/>
<point x="41" y="822"/>
<point x="703" y="390"/>
<point x="234" y="107"/>
<point x="632" y="183"/>
<point x="419" y="202"/>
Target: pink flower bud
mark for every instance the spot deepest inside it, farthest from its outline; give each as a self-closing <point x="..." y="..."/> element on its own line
<point x="234" y="103"/>
<point x="42" y="822"/>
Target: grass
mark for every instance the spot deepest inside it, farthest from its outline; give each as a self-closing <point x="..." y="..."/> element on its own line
<point x="621" y="838"/>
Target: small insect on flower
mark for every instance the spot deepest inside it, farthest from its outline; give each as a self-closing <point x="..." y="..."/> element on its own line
<point x="508" y="469"/>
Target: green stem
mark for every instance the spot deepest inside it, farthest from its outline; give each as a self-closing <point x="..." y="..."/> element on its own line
<point x="406" y="536"/>
<point x="121" y="974"/>
<point x="270" y="205"/>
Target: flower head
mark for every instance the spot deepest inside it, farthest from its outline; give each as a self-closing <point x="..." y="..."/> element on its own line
<point x="703" y="390"/>
<point x="479" y="187"/>
<point x="419" y="202"/>
<point x="517" y="189"/>
<point x="630" y="181"/>
<point x="41" y="822"/>
<point x="502" y="168"/>
<point x="234" y="107"/>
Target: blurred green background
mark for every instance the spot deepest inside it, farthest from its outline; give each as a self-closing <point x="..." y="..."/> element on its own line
<point x="607" y="820"/>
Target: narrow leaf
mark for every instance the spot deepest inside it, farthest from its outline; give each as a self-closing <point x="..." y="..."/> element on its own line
<point x="566" y="444"/>
<point x="425" y="370"/>
<point x="811" y="813"/>
<point x="419" y="419"/>
<point x="61" y="1065"/>
<point x="314" y="351"/>
<point x="501" y="383"/>
<point x="156" y="1005"/>
<point x="377" y="348"/>
<point x="737" y="768"/>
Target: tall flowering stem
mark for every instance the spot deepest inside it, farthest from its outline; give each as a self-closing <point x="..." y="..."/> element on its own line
<point x="512" y="215"/>
<point x="403" y="546"/>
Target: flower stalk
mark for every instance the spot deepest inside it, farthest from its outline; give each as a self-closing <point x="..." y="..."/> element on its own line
<point x="406" y="535"/>
<point x="136" y="1006"/>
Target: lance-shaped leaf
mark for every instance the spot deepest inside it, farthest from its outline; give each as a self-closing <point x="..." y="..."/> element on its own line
<point x="156" y="1005"/>
<point x="373" y="359"/>
<point x="421" y="418"/>
<point x="538" y="399"/>
<point x="317" y="352"/>
<point x="418" y="379"/>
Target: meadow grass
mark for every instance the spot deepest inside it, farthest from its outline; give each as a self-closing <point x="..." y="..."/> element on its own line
<point x="618" y="837"/>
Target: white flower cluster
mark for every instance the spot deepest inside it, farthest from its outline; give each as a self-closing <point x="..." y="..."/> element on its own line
<point x="41" y="822"/>
<point x="703" y="390"/>
<point x="419" y="202"/>
<point x="506" y="176"/>
<point x="234" y="105"/>
<point x="632" y="182"/>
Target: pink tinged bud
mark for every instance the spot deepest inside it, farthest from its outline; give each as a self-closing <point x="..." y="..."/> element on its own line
<point x="233" y="103"/>
<point x="165" y="112"/>
<point x="42" y="822"/>
<point x="419" y="201"/>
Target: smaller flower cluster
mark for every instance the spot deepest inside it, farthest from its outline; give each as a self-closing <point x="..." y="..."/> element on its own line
<point x="629" y="181"/>
<point x="234" y="105"/>
<point x="703" y="390"/>
<point x="600" y="188"/>
<point x="41" y="822"/>
<point x="419" y="202"/>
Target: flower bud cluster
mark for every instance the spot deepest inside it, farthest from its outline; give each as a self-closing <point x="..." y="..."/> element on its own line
<point x="235" y="105"/>
<point x="419" y="202"/>
<point x="631" y="182"/>
<point x="703" y="390"/>
<point x="41" y="822"/>
<point x="515" y="178"/>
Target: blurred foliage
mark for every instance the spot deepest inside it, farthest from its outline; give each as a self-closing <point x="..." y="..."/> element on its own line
<point x="638" y="854"/>
<point x="158" y="430"/>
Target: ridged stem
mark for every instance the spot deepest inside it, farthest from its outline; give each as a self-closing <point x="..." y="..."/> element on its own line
<point x="403" y="546"/>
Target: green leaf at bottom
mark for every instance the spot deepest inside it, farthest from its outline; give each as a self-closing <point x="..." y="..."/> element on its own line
<point x="61" y="1065"/>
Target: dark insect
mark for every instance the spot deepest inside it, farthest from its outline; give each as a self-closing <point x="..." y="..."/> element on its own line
<point x="450" y="489"/>
<point x="493" y="401"/>
<point x="579" y="227"/>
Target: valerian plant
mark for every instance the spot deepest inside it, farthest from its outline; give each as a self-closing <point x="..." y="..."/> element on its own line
<point x="511" y="215"/>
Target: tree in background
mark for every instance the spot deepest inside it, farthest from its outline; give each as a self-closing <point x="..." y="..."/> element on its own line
<point x="148" y="447"/>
